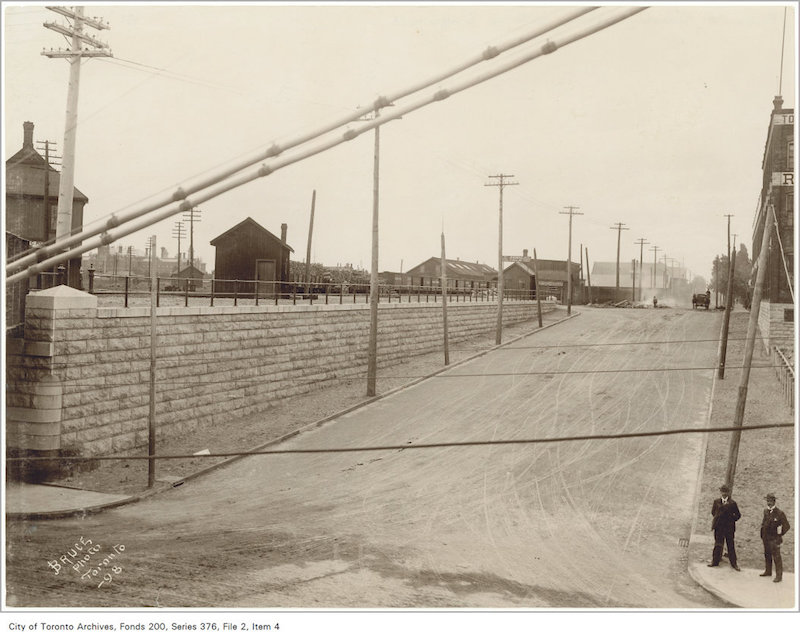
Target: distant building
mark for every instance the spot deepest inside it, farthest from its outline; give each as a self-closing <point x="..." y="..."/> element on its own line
<point x="776" y="316"/>
<point x="189" y="276"/>
<point x="553" y="279"/>
<point x="650" y="277"/>
<point x="519" y="280"/>
<point x="249" y="252"/>
<point x="460" y="274"/>
<point x="32" y="200"/>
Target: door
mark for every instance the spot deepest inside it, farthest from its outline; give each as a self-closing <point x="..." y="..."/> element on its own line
<point x="265" y="278"/>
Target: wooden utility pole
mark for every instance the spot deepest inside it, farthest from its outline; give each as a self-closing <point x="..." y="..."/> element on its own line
<point x="728" y="216"/>
<point x="179" y="232"/>
<point x="641" y="242"/>
<point x="752" y="325"/>
<point x="619" y="227"/>
<point x="48" y="225"/>
<point x="193" y="216"/>
<point x="372" y="353"/>
<point x="588" y="275"/>
<point x="444" y="305"/>
<point x="655" y="251"/>
<point x="308" y="248"/>
<point x="501" y="184"/>
<point x="536" y="281"/>
<point x="571" y="211"/>
<point x="80" y="48"/>
<point x="151" y="427"/>
<point x="728" y="307"/>
<point x="633" y="283"/>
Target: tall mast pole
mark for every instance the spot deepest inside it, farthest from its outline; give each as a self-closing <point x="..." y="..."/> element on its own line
<point x="501" y="184"/>
<point x="74" y="55"/>
<point x="571" y="211"/>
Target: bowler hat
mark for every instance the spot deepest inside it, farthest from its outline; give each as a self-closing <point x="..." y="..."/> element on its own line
<point x="725" y="489"/>
<point x="770" y="496"/>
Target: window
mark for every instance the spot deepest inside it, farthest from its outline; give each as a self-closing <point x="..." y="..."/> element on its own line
<point x="790" y="155"/>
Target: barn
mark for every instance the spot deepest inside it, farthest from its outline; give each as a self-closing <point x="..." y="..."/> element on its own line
<point x="248" y="251"/>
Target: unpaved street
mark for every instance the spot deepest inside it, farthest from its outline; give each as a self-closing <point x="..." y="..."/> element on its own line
<point x="595" y="523"/>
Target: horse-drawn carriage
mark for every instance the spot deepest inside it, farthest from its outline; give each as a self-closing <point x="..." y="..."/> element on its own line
<point x="701" y="299"/>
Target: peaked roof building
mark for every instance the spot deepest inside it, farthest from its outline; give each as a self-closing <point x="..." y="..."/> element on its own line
<point x="30" y="183"/>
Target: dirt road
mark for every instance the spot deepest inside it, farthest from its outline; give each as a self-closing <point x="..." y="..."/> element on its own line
<point x="592" y="524"/>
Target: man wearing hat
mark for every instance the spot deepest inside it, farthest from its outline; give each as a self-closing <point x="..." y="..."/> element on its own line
<point x="726" y="514"/>
<point x="773" y="528"/>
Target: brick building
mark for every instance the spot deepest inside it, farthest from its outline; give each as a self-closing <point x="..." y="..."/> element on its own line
<point x="461" y="274"/>
<point x="776" y="316"/>
<point x="32" y="199"/>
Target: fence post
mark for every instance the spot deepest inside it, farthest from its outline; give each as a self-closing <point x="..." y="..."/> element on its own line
<point x="91" y="278"/>
<point x="127" y="284"/>
<point x="213" y="288"/>
<point x="235" y="292"/>
<point x="158" y="292"/>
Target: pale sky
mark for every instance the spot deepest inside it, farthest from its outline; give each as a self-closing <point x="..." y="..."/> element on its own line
<point x="658" y="122"/>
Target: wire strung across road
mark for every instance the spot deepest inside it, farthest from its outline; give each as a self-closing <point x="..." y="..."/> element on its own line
<point x="435" y="445"/>
<point x="275" y="359"/>
<point x="234" y="384"/>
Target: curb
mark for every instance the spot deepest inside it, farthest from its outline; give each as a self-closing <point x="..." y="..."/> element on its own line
<point x="90" y="510"/>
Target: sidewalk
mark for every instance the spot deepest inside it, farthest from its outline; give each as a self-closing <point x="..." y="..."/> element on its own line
<point x="744" y="589"/>
<point x="43" y="501"/>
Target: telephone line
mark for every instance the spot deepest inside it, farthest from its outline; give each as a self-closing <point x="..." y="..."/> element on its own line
<point x="437" y="445"/>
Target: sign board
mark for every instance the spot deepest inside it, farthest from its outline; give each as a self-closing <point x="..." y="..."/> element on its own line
<point x="783" y="119"/>
<point x="516" y="258"/>
<point x="785" y="179"/>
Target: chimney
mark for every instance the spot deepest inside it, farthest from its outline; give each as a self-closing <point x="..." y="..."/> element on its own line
<point x="284" y="227"/>
<point x="777" y="103"/>
<point x="164" y="255"/>
<point x="27" y="138"/>
<point x="524" y="253"/>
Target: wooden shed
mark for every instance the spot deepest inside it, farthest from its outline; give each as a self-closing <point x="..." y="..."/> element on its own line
<point x="248" y="251"/>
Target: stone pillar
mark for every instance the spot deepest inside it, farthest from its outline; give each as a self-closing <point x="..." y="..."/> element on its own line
<point x="34" y="388"/>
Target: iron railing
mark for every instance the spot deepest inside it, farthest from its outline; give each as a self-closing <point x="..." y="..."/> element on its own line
<point x="785" y="370"/>
<point x="131" y="289"/>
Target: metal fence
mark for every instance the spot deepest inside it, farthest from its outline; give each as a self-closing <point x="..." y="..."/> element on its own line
<point x="136" y="290"/>
<point x="785" y="370"/>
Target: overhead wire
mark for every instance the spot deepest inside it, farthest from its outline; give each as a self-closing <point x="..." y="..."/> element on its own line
<point x="415" y="446"/>
<point x="258" y="379"/>
<point x="215" y="183"/>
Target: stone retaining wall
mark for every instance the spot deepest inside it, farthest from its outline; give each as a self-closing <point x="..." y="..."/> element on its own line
<point x="213" y="363"/>
<point x="777" y="326"/>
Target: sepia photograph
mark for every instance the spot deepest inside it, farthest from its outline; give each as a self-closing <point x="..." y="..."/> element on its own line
<point x="381" y="315"/>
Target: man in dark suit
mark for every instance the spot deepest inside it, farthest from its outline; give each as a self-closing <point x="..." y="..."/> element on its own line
<point x="773" y="527"/>
<point x="726" y="513"/>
